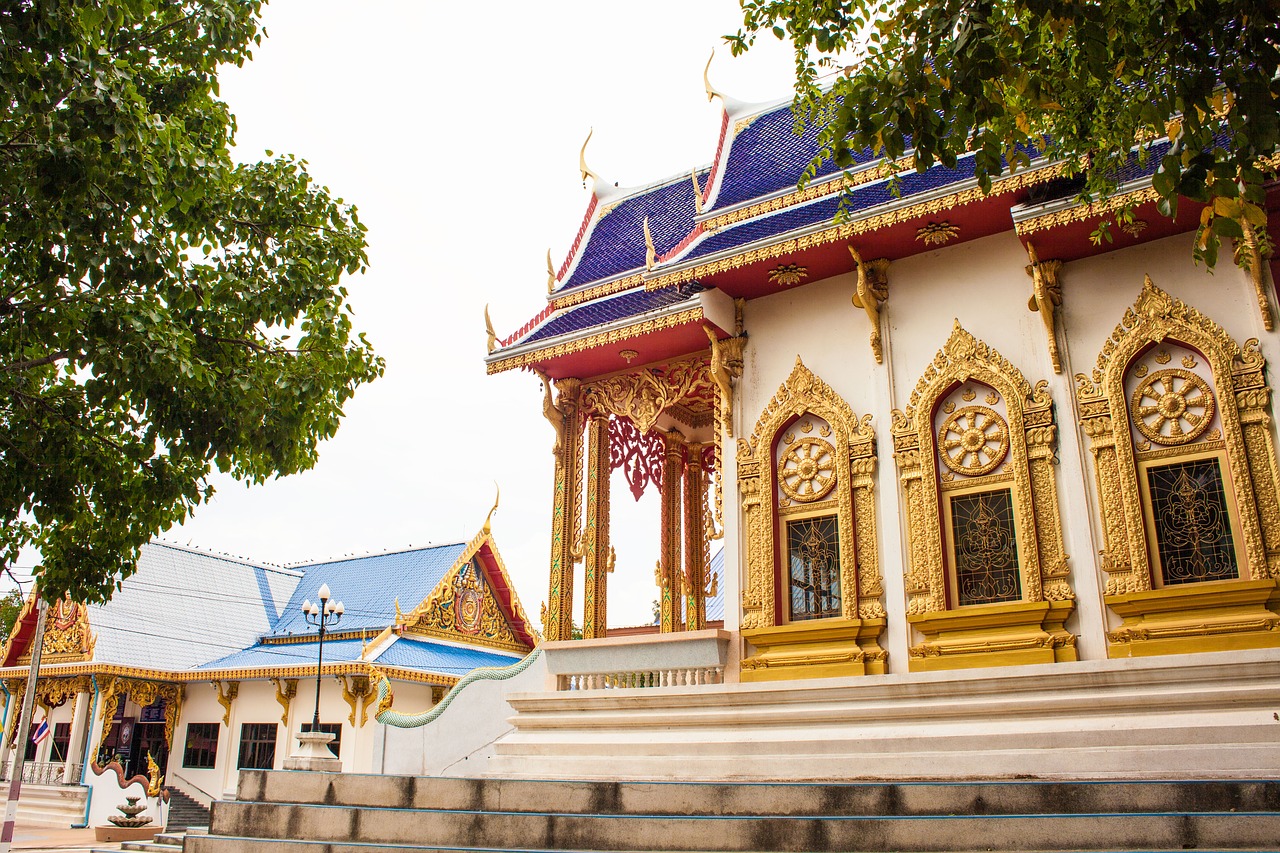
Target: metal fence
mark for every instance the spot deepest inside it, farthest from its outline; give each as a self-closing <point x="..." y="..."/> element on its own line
<point x="44" y="773"/>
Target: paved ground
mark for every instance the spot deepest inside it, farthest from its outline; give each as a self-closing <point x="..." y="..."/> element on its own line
<point x="40" y="838"/>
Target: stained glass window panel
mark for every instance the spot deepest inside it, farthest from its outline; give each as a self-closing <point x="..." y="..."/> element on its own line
<point x="985" y="548"/>
<point x="813" y="553"/>
<point x="1192" y="527"/>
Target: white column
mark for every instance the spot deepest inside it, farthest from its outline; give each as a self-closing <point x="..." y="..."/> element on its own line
<point x="76" y="746"/>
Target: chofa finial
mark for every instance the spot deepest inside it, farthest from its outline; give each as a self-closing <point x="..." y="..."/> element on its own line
<point x="582" y="161"/>
<point x="712" y="94"/>
<point x="497" y="496"/>
<point x="551" y="274"/>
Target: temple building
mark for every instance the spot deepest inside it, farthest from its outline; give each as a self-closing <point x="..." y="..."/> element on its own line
<point x="206" y="664"/>
<point x="983" y="483"/>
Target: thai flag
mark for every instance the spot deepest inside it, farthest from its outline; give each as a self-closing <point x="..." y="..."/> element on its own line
<point x="41" y="732"/>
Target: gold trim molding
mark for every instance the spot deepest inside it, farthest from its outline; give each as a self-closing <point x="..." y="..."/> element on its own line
<point x="599" y="339"/>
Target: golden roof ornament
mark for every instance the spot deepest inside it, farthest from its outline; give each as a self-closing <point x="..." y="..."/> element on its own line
<point x="697" y="192"/>
<point x="551" y="274"/>
<point x="582" y="162"/>
<point x="650" y="255"/>
<point x="488" y="330"/>
<point x="497" y="496"/>
<point x="712" y="94"/>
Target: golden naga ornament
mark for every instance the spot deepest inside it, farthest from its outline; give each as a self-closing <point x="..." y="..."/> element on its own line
<point x="1172" y="406"/>
<point x="1046" y="298"/>
<point x="872" y="290"/>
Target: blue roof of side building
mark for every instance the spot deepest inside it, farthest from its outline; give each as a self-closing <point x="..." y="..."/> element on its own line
<point x="630" y="304"/>
<point x="184" y="607"/>
<point x="444" y="658"/>
<point x="368" y="587"/>
<point x="616" y="244"/>
<point x="441" y="657"/>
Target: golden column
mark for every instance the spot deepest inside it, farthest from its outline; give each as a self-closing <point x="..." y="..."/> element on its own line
<point x="695" y="541"/>
<point x="558" y="623"/>
<point x="595" y="535"/>
<point x="670" y="579"/>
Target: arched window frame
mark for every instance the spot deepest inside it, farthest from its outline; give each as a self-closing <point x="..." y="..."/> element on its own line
<point x="1023" y="631"/>
<point x="1196" y="616"/>
<point x="862" y="616"/>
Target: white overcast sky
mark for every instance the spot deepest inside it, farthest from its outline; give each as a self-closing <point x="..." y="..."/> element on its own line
<point x="455" y="129"/>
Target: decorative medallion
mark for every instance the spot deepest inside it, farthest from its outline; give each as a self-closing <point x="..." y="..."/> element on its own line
<point x="470" y="604"/>
<point x="807" y="471"/>
<point x="787" y="275"/>
<point x="1133" y="227"/>
<point x="938" y="233"/>
<point x="973" y="440"/>
<point x="1172" y="406"/>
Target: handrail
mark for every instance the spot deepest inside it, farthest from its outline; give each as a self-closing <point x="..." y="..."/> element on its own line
<point x="182" y="778"/>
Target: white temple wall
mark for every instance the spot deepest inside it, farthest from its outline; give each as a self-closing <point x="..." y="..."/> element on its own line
<point x="983" y="284"/>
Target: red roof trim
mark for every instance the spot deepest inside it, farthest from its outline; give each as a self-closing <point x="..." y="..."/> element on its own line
<point x="577" y="241"/>
<point x="682" y="245"/>
<point x="715" y="164"/>
<point x="527" y="327"/>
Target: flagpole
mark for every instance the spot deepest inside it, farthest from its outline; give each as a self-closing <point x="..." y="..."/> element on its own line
<point x="24" y="728"/>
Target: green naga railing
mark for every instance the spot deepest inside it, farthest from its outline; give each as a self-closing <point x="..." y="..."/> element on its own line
<point x="390" y="717"/>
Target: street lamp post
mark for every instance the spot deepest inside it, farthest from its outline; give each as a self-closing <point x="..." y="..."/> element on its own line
<point x="313" y="746"/>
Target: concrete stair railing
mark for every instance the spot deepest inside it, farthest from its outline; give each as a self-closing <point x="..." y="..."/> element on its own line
<point x="361" y="814"/>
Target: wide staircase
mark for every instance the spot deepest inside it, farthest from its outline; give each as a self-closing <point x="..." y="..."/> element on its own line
<point x="361" y="814"/>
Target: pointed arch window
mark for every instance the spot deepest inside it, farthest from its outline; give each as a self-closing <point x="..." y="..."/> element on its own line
<point x="987" y="576"/>
<point x="811" y="599"/>
<point x="1178" y="416"/>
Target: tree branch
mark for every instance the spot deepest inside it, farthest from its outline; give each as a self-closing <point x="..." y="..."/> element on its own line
<point x="36" y="362"/>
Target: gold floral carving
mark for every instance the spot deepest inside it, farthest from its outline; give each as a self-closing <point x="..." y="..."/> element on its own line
<point x="143" y="694"/>
<point x="642" y="395"/>
<point x="226" y="696"/>
<point x="846" y="230"/>
<point x="872" y="290"/>
<point x="1029" y="444"/>
<point x="788" y="275"/>
<point x="937" y="233"/>
<point x="1046" y="298"/>
<point x="1243" y="401"/>
<point x="599" y="339"/>
<point x="853" y="442"/>
<point x="286" y="691"/>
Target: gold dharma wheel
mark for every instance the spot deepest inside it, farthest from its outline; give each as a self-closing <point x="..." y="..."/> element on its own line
<point x="1172" y="406"/>
<point x="973" y="440"/>
<point x="807" y="470"/>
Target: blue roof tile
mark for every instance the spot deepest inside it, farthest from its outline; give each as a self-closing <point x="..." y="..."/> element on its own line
<point x="368" y="587"/>
<point x="768" y="156"/>
<point x="289" y="654"/>
<point x="630" y="304"/>
<point x="616" y="244"/>
<point x="441" y="657"/>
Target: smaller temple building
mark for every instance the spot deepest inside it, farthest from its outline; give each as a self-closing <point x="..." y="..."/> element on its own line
<point x="206" y="664"/>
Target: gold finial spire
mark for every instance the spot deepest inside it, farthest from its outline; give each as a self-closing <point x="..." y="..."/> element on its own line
<point x="712" y="94"/>
<point x="488" y="330"/>
<point x="650" y="255"/>
<point x="497" y="496"/>
<point x="551" y="274"/>
<point x="582" y="161"/>
<point x="697" y="192"/>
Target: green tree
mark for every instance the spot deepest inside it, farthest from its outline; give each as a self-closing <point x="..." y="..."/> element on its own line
<point x="1083" y="81"/>
<point x="10" y="605"/>
<point x="163" y="309"/>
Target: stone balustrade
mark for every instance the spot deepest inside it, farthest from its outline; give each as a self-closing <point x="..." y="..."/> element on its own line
<point x="681" y="659"/>
<point x="44" y="773"/>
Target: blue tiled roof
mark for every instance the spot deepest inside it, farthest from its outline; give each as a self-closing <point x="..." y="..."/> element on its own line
<point x="441" y="657"/>
<point x="767" y="156"/>
<point x="616" y="244"/>
<point x="184" y="607"/>
<point x="369" y="586"/>
<point x="629" y="304"/>
<point x="289" y="654"/>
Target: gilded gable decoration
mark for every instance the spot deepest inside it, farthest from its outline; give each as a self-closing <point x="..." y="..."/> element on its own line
<point x="115" y="689"/>
<point x="987" y="576"/>
<point x="1178" y="416"/>
<point x="805" y="477"/>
